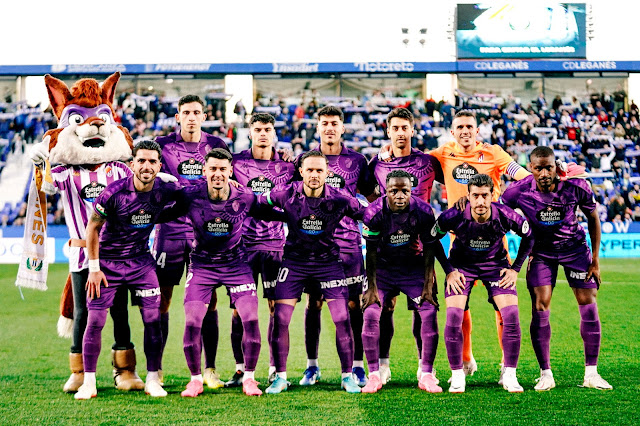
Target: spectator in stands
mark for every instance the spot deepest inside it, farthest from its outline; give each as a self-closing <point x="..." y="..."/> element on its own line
<point x="634" y="196"/>
<point x="635" y="215"/>
<point x="617" y="207"/>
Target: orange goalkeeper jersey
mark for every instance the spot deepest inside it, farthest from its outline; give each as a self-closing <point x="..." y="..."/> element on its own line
<point x="459" y="166"/>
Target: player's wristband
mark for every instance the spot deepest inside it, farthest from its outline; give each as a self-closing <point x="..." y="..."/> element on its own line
<point x="94" y="265"/>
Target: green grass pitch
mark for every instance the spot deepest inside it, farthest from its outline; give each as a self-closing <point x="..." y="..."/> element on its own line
<point x="34" y="366"/>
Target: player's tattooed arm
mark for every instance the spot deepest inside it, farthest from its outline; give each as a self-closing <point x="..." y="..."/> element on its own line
<point x="370" y="295"/>
<point x="593" y="224"/>
<point x="96" y="276"/>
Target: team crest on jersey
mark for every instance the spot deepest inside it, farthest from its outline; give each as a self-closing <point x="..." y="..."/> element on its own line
<point x="335" y="180"/>
<point x="109" y="171"/>
<point x="399" y="238"/>
<point x="260" y="185"/>
<point x="218" y="227"/>
<point x="312" y="225"/>
<point x="91" y="191"/>
<point x="190" y="169"/>
<point x="550" y="216"/>
<point x="141" y="219"/>
<point x="100" y="209"/>
<point x="414" y="180"/>
<point x="463" y="173"/>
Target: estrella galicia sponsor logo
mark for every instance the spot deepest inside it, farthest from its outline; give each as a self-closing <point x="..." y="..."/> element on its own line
<point x="141" y="219"/>
<point x="311" y="225"/>
<point x="218" y="227"/>
<point x="335" y="180"/>
<point x="578" y="275"/>
<point x="91" y="191"/>
<point x="148" y="292"/>
<point x="479" y="244"/>
<point x="463" y="173"/>
<point x="260" y="185"/>
<point x="550" y="216"/>
<point x="399" y="238"/>
<point x="190" y="169"/>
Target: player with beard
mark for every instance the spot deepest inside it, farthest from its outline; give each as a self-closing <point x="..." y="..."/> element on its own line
<point x="183" y="152"/>
<point x="217" y="211"/>
<point x="424" y="170"/>
<point x="260" y="169"/>
<point x="348" y="171"/>
<point x="119" y="257"/>
<point x="478" y="253"/>
<point x="313" y="211"/>
<point x="550" y="205"/>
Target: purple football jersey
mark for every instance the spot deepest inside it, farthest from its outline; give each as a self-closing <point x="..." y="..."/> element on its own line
<point x="130" y="216"/>
<point x="217" y="225"/>
<point x="262" y="176"/>
<point x="424" y="169"/>
<point x="349" y="172"/>
<point x="552" y="215"/>
<point x="185" y="161"/>
<point x="312" y="222"/>
<point x="481" y="245"/>
<point x="399" y="235"/>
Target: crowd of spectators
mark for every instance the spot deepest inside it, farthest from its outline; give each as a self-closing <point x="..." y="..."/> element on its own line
<point x="600" y="133"/>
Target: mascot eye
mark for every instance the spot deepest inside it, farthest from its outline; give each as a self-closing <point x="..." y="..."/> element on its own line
<point x="76" y="119"/>
<point x="105" y="117"/>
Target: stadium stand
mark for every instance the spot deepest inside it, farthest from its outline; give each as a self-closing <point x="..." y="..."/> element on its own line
<point x="596" y="132"/>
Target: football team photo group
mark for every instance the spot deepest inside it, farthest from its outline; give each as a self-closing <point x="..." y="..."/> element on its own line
<point x="264" y="223"/>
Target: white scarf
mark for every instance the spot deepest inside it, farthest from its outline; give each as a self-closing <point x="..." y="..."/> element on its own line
<point x="33" y="269"/>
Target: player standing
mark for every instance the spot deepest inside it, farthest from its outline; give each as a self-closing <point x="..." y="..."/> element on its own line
<point x="119" y="257"/>
<point x="478" y="253"/>
<point x="394" y="227"/>
<point x="550" y="206"/>
<point x="260" y="169"/>
<point x="348" y="171"/>
<point x="313" y="211"/>
<point x="183" y="153"/>
<point x="424" y="169"/>
<point x="461" y="159"/>
<point x="217" y="212"/>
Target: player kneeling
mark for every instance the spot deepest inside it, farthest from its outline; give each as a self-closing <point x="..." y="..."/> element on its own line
<point x="478" y="253"/>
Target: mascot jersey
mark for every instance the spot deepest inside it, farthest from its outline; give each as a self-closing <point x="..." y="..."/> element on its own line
<point x="79" y="187"/>
<point x="184" y="160"/>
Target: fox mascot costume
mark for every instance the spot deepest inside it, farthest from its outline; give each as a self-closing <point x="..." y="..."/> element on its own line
<point x="87" y="150"/>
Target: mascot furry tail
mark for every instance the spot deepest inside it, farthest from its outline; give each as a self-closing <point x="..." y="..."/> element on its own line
<point x="65" y="321"/>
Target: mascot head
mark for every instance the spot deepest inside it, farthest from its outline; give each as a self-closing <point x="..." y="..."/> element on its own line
<point x="87" y="132"/>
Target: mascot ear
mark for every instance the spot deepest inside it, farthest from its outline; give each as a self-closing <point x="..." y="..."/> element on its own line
<point x="109" y="88"/>
<point x="59" y="94"/>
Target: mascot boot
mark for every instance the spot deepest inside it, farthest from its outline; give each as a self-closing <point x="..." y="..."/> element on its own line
<point x="77" y="373"/>
<point x="124" y="370"/>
